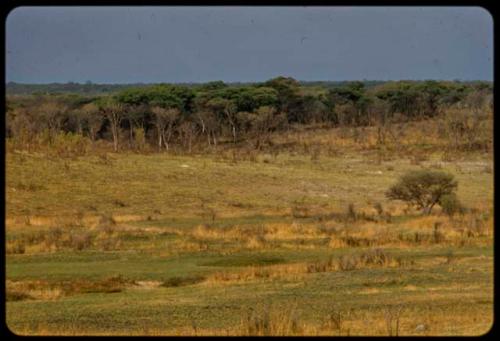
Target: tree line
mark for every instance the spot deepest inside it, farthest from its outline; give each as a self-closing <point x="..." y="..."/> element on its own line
<point x="165" y="114"/>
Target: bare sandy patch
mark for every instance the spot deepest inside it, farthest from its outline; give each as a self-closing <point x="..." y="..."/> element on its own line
<point x="147" y="284"/>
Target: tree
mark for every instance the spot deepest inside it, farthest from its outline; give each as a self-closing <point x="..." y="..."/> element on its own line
<point x="423" y="188"/>
<point x="214" y="85"/>
<point x="187" y="131"/>
<point x="403" y="97"/>
<point x="52" y="114"/>
<point x="316" y="110"/>
<point x="114" y="112"/>
<point x="137" y="117"/>
<point x="209" y="125"/>
<point x="22" y="125"/>
<point x="92" y="118"/>
<point x="227" y="109"/>
<point x="450" y="204"/>
<point x="262" y="123"/>
<point x="74" y="116"/>
<point x="165" y="119"/>
<point x="249" y="99"/>
<point x="378" y="115"/>
<point x="351" y="102"/>
<point x="432" y="92"/>
<point x="289" y="98"/>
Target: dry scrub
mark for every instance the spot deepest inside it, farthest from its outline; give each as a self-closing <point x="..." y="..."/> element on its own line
<point x="368" y="259"/>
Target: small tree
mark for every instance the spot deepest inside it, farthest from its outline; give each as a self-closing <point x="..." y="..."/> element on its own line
<point x="450" y="204"/>
<point x="114" y="112"/>
<point x="91" y="116"/>
<point x="423" y="188"/>
<point x="52" y="114"/>
<point x="165" y="119"/>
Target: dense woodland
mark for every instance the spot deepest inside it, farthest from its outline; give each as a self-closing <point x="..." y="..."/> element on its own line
<point x="166" y="117"/>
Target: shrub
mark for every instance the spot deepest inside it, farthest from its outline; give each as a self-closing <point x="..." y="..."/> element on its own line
<point x="375" y="257"/>
<point x="348" y="262"/>
<point x="13" y="296"/>
<point x="80" y="241"/>
<point x="182" y="281"/>
<point x="423" y="188"/>
<point x="17" y="247"/>
<point x="53" y="237"/>
<point x="450" y="204"/>
<point x="351" y="213"/>
<point x="70" y="145"/>
<point x="110" y="284"/>
<point x="109" y="244"/>
<point x="139" y="139"/>
<point x="392" y="316"/>
<point x="264" y="321"/>
<point x="378" y="207"/>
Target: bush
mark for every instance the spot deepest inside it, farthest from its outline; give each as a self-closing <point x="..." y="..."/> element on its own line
<point x="80" y="241"/>
<point x="139" y="139"/>
<point x="351" y="213"/>
<point x="17" y="247"/>
<point x="70" y="145"/>
<point x="53" y="237"/>
<point x="16" y="296"/>
<point x="450" y="204"/>
<point x="379" y="208"/>
<point x="423" y="188"/>
<point x="109" y="244"/>
<point x="182" y="281"/>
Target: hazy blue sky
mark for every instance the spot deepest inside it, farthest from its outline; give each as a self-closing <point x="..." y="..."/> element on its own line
<point x="197" y="44"/>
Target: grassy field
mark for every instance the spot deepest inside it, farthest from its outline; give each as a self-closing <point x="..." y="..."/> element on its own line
<point x="159" y="244"/>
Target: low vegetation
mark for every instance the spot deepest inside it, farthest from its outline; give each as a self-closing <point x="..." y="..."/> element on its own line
<point x="251" y="210"/>
<point x="424" y="189"/>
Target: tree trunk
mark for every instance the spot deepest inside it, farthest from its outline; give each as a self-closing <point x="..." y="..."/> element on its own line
<point x="167" y="135"/>
<point x="115" y="141"/>
<point x="114" y="130"/>
<point x="79" y="127"/>
<point x="202" y="124"/>
<point x="166" y="140"/>
<point x="428" y="209"/>
<point x="131" y="135"/>
<point x="159" y="140"/>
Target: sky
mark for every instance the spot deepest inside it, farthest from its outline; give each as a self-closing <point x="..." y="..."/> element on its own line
<point x="247" y="44"/>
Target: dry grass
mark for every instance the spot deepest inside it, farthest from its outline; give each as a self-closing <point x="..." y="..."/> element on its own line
<point x="354" y="228"/>
<point x="295" y="271"/>
<point x="273" y="320"/>
<point x="44" y="290"/>
<point x="135" y="221"/>
<point x="267" y="321"/>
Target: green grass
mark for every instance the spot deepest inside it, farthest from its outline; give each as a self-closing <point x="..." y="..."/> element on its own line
<point x="160" y="245"/>
<point x="146" y="184"/>
<point x="221" y="307"/>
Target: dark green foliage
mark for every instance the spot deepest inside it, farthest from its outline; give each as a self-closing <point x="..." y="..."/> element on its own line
<point x="351" y="92"/>
<point x="450" y="204"/>
<point x="245" y="260"/>
<point x="182" y="281"/>
<point x="253" y="98"/>
<point x="215" y="112"/>
<point x="423" y="188"/>
<point x="163" y="95"/>
<point x="16" y="296"/>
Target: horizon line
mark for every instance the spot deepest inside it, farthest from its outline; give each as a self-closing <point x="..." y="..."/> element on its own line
<point x="233" y="82"/>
